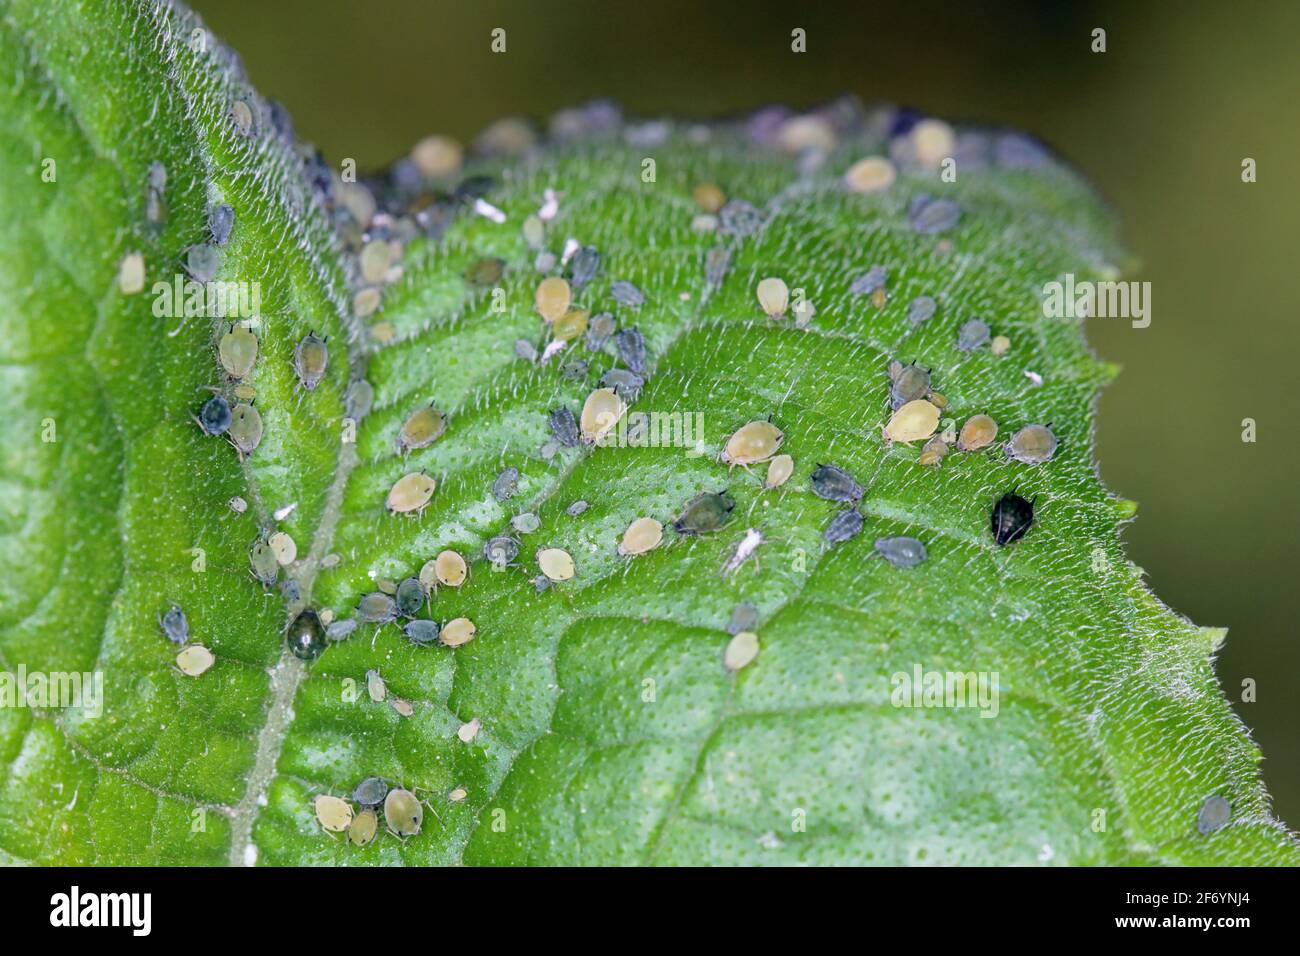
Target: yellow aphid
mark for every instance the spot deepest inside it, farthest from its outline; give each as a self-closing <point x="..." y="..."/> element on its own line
<point x="245" y="393"/>
<point x="376" y="257"/>
<point x="467" y="732"/>
<point x="376" y="686"/>
<point x="642" y="535"/>
<point x="411" y="492"/>
<point x="779" y="471"/>
<point x="932" y="452"/>
<point x="978" y="432"/>
<point x="570" y="325"/>
<point x="807" y="132"/>
<point x="422" y="428"/>
<point x="459" y="631"/>
<point x="1000" y="345"/>
<point x="457" y="795"/>
<point x="933" y="141"/>
<point x="403" y="812"/>
<point x="552" y="298"/>
<point x="914" y="421"/>
<point x="283" y="547"/>
<point x="383" y="332"/>
<point x="366" y="301"/>
<point x="870" y="175"/>
<point x="194" y="660"/>
<point x="741" y="651"/>
<point x="403" y="707"/>
<point x="600" y="413"/>
<point x="709" y="197"/>
<point x="773" y="296"/>
<point x="364" y="827"/>
<point x="755" y="442"/>
<point x="450" y="569"/>
<point x="334" y="813"/>
<point x="130" y="274"/>
<point x="437" y="156"/>
<point x="556" y="563"/>
<point x="237" y="351"/>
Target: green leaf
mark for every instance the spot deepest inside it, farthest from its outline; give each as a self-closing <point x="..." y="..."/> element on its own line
<point x="610" y="730"/>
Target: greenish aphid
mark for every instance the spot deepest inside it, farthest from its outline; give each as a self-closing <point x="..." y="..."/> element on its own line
<point x="262" y="559"/>
<point x="174" y="625"/>
<point x="525" y="523"/>
<point x="1215" y="814"/>
<point x="704" y="513"/>
<point x="364" y="826"/>
<point x="202" y="261"/>
<point x="421" y="631"/>
<point x="306" y="635"/>
<point x="371" y="791"/>
<point x="245" y="431"/>
<point x="310" y="357"/>
<point x="908" y="383"/>
<point x="376" y="608"/>
<point x="214" y="416"/>
<point x="421" y="429"/>
<point x="901" y="552"/>
<point x="410" y="597"/>
<point x="485" y="272"/>
<point x="360" y="396"/>
<point x="403" y="812"/>
<point x="221" y="219"/>
<point x="237" y="351"/>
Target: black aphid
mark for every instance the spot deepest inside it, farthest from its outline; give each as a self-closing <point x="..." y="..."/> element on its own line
<point x="421" y="631"/>
<point x="1215" y="814"/>
<point x="845" y="525"/>
<point x="174" y="625"/>
<point x="834" y="484"/>
<point x="583" y="267"/>
<point x="474" y="187"/>
<point x="214" y="417"/>
<point x="503" y="489"/>
<point x="501" y="550"/>
<point x="410" y="597"/>
<point x="704" y="513"/>
<point x="371" y="791"/>
<point x="625" y="293"/>
<point x="1012" y="516"/>
<point x="564" y="426"/>
<point x="221" y="219"/>
<point x="306" y="635"/>
<point x="631" y="346"/>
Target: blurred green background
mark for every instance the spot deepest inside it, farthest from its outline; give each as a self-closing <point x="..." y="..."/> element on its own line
<point x="1160" y="122"/>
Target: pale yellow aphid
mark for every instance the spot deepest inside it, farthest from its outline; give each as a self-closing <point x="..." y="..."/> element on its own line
<point x="1033" y="445"/>
<point x="752" y="443"/>
<point x="914" y="421"/>
<point x="978" y="432"/>
<point x="437" y="156"/>
<point x="366" y="301"/>
<point x="600" y="413"/>
<point x="411" y="492"/>
<point x="376" y="687"/>
<point x="245" y="431"/>
<point x="428" y="575"/>
<point x="709" y="197"/>
<point x="326" y="616"/>
<point x="934" y="141"/>
<point x="194" y="660"/>
<point x="870" y="175"/>
<point x="807" y="132"/>
<point x="245" y="393"/>
<point x="449" y="568"/>
<point x="422" y="428"/>
<point x="241" y="117"/>
<point x="364" y="827"/>
<point x="403" y="812"/>
<point x="933" y="451"/>
<point x="376" y="257"/>
<point x="130" y="274"/>
<point x="284" y="548"/>
<point x="779" y="471"/>
<point x="457" y="795"/>
<point x="1000" y="345"/>
<point x="556" y="563"/>
<point x="773" y="296"/>
<point x="383" y="332"/>
<point x="237" y="351"/>
<point x="403" y="707"/>
<point x="334" y="813"/>
<point x="741" y="651"/>
<point x="458" y="632"/>
<point x="467" y="732"/>
<point x="570" y="325"/>
<point x="642" y="535"/>
<point x="552" y="298"/>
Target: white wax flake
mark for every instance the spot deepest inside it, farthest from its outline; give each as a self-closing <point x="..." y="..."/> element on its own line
<point x="571" y="247"/>
<point x="552" y="349"/>
<point x="550" y="205"/>
<point x="753" y="538"/>
<point x="489" y="211"/>
<point x="282" y="513"/>
<point x="1046" y="853"/>
<point x="250" y="855"/>
<point x="1034" y="377"/>
<point x="769" y="841"/>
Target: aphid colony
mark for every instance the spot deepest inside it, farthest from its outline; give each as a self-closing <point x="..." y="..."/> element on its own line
<point x="401" y="809"/>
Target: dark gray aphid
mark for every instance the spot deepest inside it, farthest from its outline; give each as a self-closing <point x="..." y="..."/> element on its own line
<point x="845" y="525"/>
<point x="704" y="513"/>
<point x="599" y="328"/>
<point x="410" y="597"/>
<point x="834" y="484"/>
<point x="867" y="283"/>
<point x="155" y="208"/>
<point x="370" y="792"/>
<point x="743" y="618"/>
<point x="626" y="384"/>
<point x="501" y="550"/>
<point x="221" y="219"/>
<point x="503" y="489"/>
<point x="214" y="417"/>
<point x="1215" y="814"/>
<point x="376" y="608"/>
<point x="310" y="357"/>
<point x="577" y="508"/>
<point x="716" y="263"/>
<point x="339" y="630"/>
<point x="202" y="261"/>
<point x="1012" y="517"/>
<point x="290" y="591"/>
<point x="157" y="176"/>
<point x="174" y="625"/>
<point x="421" y="631"/>
<point x="921" y="310"/>
<point x="564" y="426"/>
<point x="911" y="382"/>
<point x="739" y="218"/>
<point x="972" y="335"/>
<point x="901" y="552"/>
<point x="583" y="267"/>
<point x="934" y="215"/>
<point x="574" y="371"/>
<point x="631" y="346"/>
<point x="625" y="293"/>
<point x="306" y="635"/>
<point x="360" y="396"/>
